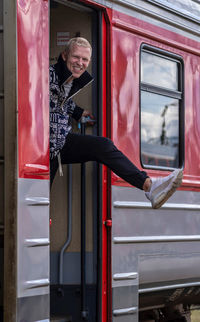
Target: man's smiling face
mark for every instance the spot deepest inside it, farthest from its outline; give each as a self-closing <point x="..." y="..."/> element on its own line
<point x="78" y="60"/>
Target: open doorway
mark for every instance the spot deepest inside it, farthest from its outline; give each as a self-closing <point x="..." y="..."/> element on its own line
<point x="71" y="19"/>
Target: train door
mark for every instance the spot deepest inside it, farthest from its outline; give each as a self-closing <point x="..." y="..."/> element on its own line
<point x="75" y="267"/>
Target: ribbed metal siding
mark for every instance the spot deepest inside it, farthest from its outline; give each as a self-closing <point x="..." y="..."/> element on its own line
<point x="152" y="246"/>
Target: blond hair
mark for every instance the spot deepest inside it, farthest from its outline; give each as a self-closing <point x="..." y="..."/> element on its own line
<point x="79" y="41"/>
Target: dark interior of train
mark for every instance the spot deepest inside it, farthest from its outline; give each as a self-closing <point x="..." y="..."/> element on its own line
<point x="74" y="263"/>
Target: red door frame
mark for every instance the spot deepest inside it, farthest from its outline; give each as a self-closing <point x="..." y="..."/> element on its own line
<point x="106" y="223"/>
<point x="106" y="177"/>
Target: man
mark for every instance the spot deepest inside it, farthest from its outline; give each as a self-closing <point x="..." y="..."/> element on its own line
<point x="68" y="77"/>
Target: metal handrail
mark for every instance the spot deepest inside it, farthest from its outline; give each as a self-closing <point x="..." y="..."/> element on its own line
<point x="69" y="225"/>
<point x="84" y="312"/>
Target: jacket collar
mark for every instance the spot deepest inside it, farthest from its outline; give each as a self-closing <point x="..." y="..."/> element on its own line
<point x="64" y="73"/>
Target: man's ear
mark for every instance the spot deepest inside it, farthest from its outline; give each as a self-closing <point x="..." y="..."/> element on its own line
<point x="64" y="56"/>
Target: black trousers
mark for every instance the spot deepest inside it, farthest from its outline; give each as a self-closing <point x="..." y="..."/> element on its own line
<point x="80" y="148"/>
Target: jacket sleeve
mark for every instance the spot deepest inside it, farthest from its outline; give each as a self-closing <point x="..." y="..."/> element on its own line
<point x="78" y="111"/>
<point x="74" y="110"/>
<point x="53" y="89"/>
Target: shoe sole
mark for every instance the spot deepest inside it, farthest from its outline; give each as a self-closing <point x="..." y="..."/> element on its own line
<point x="166" y="195"/>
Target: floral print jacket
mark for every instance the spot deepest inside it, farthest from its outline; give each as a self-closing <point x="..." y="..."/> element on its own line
<point x="62" y="107"/>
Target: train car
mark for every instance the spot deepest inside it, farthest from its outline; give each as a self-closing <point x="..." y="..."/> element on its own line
<point x="92" y="249"/>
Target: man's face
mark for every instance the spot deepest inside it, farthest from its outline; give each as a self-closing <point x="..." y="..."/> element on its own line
<point x="78" y="60"/>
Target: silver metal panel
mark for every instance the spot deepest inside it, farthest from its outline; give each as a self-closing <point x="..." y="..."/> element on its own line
<point x="157" y="245"/>
<point x="167" y="221"/>
<point x="124" y="289"/>
<point x="125" y="304"/>
<point x="168" y="267"/>
<point x="33" y="308"/>
<point x="33" y="237"/>
<point x="158" y="257"/>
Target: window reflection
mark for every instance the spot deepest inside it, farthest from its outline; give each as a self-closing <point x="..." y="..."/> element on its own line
<point x="159" y="130"/>
<point x="159" y="71"/>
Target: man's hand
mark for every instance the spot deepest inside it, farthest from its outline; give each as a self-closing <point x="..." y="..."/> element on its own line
<point x="88" y="114"/>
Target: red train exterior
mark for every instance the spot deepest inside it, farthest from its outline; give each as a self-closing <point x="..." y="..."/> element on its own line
<point x="122" y="35"/>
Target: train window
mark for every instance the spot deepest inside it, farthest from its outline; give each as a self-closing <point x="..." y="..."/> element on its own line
<point x="161" y="106"/>
<point x="155" y="65"/>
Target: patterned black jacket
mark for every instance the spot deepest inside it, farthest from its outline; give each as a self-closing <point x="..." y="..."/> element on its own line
<point x="62" y="107"/>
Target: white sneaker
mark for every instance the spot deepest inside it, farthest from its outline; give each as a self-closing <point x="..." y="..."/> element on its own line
<point x="162" y="188"/>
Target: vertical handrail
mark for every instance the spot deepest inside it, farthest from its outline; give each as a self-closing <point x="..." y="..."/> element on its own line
<point x="69" y="224"/>
<point x="84" y="312"/>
